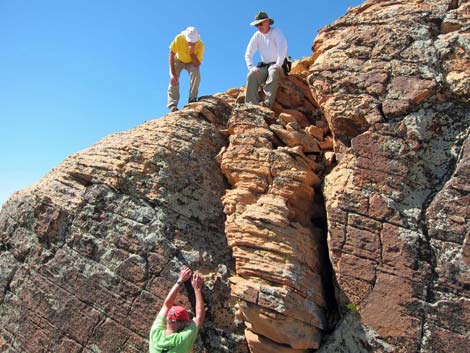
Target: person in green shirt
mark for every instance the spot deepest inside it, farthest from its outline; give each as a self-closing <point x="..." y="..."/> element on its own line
<point x="173" y="331"/>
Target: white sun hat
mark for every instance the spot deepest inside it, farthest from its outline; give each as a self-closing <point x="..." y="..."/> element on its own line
<point x="191" y="34"/>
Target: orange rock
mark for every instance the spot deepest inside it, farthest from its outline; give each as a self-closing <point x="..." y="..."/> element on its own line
<point x="315" y="131"/>
<point x="326" y="144"/>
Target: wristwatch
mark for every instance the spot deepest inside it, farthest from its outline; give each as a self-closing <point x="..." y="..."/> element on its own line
<point x="179" y="283"/>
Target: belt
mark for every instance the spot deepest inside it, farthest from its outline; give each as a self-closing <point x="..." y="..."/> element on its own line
<point x="262" y="64"/>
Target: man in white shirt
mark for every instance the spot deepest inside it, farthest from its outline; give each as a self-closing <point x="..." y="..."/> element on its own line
<point x="272" y="47"/>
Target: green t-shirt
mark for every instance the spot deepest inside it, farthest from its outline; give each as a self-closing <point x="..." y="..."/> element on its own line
<point x="181" y="342"/>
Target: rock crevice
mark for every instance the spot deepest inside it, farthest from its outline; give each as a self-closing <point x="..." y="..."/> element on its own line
<point x="344" y="222"/>
<point x="272" y="162"/>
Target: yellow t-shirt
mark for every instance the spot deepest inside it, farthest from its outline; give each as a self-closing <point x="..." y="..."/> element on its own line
<point x="179" y="46"/>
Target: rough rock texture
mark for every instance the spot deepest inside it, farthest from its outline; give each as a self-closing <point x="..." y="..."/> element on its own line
<point x="338" y="221"/>
<point x="392" y="78"/>
<point x="89" y="252"/>
<point x="273" y="165"/>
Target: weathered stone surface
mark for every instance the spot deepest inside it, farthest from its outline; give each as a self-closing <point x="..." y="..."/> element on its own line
<point x="294" y="334"/>
<point x="89" y="252"/>
<point x="293" y="136"/>
<point x="384" y="59"/>
<point x="261" y="344"/>
<point x="277" y="248"/>
<point x="390" y="80"/>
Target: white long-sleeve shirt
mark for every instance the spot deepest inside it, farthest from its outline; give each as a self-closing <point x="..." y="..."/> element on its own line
<point x="272" y="47"/>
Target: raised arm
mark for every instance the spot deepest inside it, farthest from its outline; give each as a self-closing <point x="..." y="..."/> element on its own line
<point x="197" y="283"/>
<point x="184" y="275"/>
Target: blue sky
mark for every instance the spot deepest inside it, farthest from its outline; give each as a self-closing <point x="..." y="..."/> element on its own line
<point x="74" y="71"/>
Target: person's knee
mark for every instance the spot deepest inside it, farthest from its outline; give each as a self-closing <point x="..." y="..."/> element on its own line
<point x="274" y="74"/>
<point x="252" y="77"/>
<point x="193" y="69"/>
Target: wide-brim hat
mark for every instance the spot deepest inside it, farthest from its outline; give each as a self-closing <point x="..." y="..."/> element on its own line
<point x="191" y="34"/>
<point x="261" y="17"/>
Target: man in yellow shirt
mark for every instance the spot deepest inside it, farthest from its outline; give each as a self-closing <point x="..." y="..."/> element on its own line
<point x="186" y="52"/>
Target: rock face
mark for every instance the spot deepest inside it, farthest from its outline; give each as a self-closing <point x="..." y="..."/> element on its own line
<point x="88" y="253"/>
<point x="392" y="79"/>
<point x="337" y="221"/>
<point x="273" y="165"/>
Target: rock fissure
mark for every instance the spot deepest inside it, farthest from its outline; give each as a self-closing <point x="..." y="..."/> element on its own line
<point x="345" y="207"/>
<point x="99" y="323"/>
<point x="430" y="255"/>
<point x="403" y="204"/>
<point x="275" y="202"/>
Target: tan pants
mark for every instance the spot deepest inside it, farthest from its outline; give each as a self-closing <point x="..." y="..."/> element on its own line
<point x="256" y="78"/>
<point x="194" y="79"/>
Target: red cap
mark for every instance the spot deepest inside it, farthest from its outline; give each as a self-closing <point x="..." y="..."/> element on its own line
<point x="178" y="313"/>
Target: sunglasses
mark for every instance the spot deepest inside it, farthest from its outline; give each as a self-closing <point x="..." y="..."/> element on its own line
<point x="259" y="24"/>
